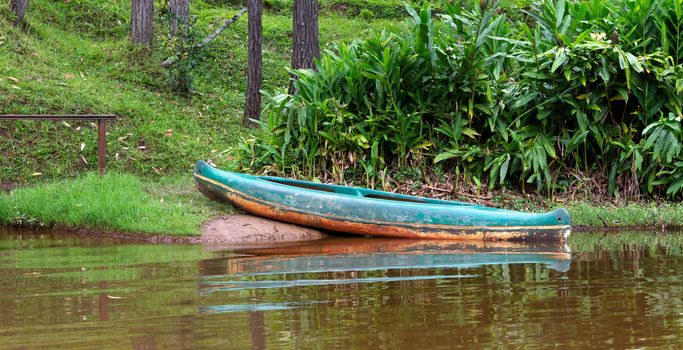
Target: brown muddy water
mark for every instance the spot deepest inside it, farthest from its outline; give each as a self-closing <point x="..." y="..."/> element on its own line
<point x="603" y="290"/>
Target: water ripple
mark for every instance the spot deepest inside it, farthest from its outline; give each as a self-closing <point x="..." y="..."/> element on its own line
<point x="215" y="286"/>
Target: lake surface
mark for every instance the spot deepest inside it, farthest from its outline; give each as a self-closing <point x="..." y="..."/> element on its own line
<point x="604" y="290"/>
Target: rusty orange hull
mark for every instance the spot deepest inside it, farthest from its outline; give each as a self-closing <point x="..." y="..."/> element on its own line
<point x="376" y="213"/>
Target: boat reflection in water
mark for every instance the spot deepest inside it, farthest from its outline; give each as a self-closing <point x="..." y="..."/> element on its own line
<point x="340" y="260"/>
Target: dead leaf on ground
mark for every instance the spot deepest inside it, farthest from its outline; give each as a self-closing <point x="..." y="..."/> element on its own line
<point x="84" y="160"/>
<point x="36" y="174"/>
<point x="68" y="76"/>
<point x="168" y="133"/>
<point x="82" y="146"/>
<point x="13" y="79"/>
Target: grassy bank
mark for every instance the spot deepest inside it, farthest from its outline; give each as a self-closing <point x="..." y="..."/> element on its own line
<point x="115" y="202"/>
<point x="75" y="58"/>
<point x="172" y="206"/>
<point x="641" y="215"/>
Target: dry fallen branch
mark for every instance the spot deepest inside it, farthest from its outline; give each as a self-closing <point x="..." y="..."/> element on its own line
<point x="438" y="189"/>
<point x="171" y="60"/>
<point x="483" y="198"/>
<point x="220" y="29"/>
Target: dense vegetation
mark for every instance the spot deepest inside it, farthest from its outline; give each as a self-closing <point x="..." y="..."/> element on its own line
<point x="581" y="97"/>
<point x="572" y="95"/>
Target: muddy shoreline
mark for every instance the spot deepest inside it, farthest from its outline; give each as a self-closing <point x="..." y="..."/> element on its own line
<point x="241" y="229"/>
<point x="231" y="229"/>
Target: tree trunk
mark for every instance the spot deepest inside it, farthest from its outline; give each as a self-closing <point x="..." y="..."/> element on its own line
<point x="305" y="45"/>
<point x="18" y="7"/>
<point x="141" y="22"/>
<point x="179" y="12"/>
<point x="257" y="325"/>
<point x="252" y="110"/>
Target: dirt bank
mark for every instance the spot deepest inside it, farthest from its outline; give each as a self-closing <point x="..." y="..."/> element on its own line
<point x="247" y="228"/>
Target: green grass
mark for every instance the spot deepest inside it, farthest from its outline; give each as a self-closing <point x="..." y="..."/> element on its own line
<point x="118" y="202"/>
<point x="75" y="58"/>
<point x="656" y="215"/>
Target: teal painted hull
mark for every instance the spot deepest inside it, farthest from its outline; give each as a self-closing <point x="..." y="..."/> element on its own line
<point x="354" y="258"/>
<point x="377" y="213"/>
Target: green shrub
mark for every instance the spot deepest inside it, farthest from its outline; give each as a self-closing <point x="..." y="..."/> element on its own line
<point x="578" y="89"/>
<point x="367" y="14"/>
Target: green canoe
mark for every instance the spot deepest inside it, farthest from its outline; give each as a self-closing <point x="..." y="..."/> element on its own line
<point x="376" y="213"/>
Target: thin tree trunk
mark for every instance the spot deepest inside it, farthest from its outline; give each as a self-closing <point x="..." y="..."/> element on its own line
<point x="252" y="109"/>
<point x="179" y="11"/>
<point x="305" y="46"/>
<point x="19" y="9"/>
<point x="141" y="22"/>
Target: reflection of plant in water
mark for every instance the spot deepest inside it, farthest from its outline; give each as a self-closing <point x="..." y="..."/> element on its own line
<point x="67" y="260"/>
<point x="624" y="242"/>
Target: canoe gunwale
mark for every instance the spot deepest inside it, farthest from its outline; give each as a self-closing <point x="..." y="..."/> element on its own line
<point x="380" y="228"/>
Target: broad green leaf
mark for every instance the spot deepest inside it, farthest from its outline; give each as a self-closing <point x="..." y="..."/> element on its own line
<point x="504" y="169"/>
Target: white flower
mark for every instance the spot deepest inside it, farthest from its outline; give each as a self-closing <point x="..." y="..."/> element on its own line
<point x="599" y="36"/>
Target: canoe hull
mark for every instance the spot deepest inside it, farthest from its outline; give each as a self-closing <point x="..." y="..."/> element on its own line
<point x="280" y="211"/>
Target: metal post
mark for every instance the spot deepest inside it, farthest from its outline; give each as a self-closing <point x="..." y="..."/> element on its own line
<point x="101" y="145"/>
